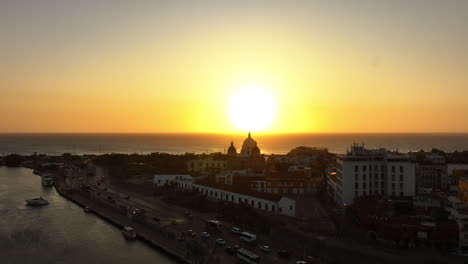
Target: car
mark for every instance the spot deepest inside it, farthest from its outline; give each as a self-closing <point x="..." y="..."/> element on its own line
<point x="220" y="241"/>
<point x="229" y="250"/>
<point x="283" y="254"/>
<point x="174" y="222"/>
<point x="236" y="230"/>
<point x="205" y="235"/>
<point x="156" y="219"/>
<point x="301" y="262"/>
<point x="265" y="248"/>
<point x="180" y="238"/>
<point x="137" y="211"/>
<point x="236" y="247"/>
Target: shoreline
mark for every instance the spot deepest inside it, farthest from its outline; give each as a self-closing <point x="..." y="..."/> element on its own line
<point x="115" y="222"/>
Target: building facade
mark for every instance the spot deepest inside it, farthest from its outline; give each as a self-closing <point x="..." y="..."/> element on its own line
<point x="363" y="172"/>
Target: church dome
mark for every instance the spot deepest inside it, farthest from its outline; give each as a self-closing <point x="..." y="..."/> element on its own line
<point x="248" y="145"/>
<point x="232" y="151"/>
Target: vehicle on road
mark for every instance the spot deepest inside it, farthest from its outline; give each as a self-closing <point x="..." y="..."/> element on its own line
<point x="248" y="237"/>
<point x="191" y="233"/>
<point x="87" y="209"/>
<point x="214" y="224"/>
<point x="236" y="230"/>
<point x="156" y="219"/>
<point x="220" y="241"/>
<point x="265" y="248"/>
<point x="174" y="222"/>
<point x="129" y="233"/>
<point x="205" y="235"/>
<point x="37" y="201"/>
<point x="247" y="256"/>
<point x="301" y="262"/>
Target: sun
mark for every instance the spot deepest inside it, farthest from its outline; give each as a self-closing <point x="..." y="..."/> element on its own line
<point x="252" y="108"/>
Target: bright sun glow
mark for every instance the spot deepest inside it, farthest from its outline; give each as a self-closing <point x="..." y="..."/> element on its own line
<point x="252" y="108"/>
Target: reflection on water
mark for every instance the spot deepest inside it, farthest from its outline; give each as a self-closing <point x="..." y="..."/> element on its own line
<point x="60" y="232"/>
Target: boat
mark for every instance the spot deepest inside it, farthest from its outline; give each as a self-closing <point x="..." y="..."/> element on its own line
<point x="37" y="201"/>
<point x="129" y="233"/>
<point x="47" y="179"/>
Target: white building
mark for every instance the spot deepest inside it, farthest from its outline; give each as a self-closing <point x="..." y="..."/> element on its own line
<point x="363" y="172"/>
<point x="164" y="179"/>
<point x="459" y="212"/>
<point x="261" y="201"/>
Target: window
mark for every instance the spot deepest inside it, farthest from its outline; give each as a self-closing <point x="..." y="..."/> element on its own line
<point x="401" y="177"/>
<point x="253" y="203"/>
<point x="364" y="167"/>
<point x="356" y="168"/>
<point x="355" y="193"/>
<point x="259" y="205"/>
<point x="364" y="193"/>
<point x="356" y="186"/>
<point x="401" y="186"/>
<point x="382" y="192"/>
<point x="393" y="193"/>
<point x="376" y="167"/>
<point x="364" y="185"/>
<point x="393" y="169"/>
<point x="401" y="193"/>
<point x="393" y="177"/>
<point x="290" y="207"/>
<point x="401" y="168"/>
<point x="356" y="177"/>
<point x="382" y="184"/>
<point x="280" y="209"/>
<point x="364" y="177"/>
<point x="393" y="186"/>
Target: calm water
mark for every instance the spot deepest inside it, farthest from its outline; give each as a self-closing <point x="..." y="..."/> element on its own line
<point x="60" y="232"/>
<point x="199" y="143"/>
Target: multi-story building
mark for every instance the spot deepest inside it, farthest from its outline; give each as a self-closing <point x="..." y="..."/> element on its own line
<point x="363" y="172"/>
<point x="431" y="171"/>
<point x="207" y="165"/>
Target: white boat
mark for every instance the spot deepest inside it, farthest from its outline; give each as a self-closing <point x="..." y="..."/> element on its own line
<point x="47" y="179"/>
<point x="129" y="233"/>
<point x="37" y="201"/>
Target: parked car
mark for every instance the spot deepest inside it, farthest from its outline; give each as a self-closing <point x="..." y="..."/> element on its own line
<point x="156" y="219"/>
<point x="265" y="248"/>
<point x="236" y="230"/>
<point x="220" y="241"/>
<point x="301" y="262"/>
<point x="205" y="235"/>
<point x="191" y="233"/>
<point x="236" y="247"/>
<point x="174" y="222"/>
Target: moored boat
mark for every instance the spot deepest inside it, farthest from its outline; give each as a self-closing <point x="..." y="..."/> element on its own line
<point x="37" y="201"/>
<point x="129" y="233"/>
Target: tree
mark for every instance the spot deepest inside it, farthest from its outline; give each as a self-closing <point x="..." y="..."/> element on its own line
<point x="13" y="160"/>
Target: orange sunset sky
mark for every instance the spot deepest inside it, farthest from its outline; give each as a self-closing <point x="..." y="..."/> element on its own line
<point x="175" y="66"/>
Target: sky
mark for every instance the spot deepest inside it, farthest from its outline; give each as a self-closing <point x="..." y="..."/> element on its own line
<point x="173" y="66"/>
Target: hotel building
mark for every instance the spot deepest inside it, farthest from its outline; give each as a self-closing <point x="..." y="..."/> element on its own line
<point x="362" y="172"/>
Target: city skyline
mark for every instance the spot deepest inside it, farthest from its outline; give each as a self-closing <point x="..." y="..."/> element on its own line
<point x="166" y="67"/>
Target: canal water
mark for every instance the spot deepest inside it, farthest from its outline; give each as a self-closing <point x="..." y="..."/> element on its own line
<point x="59" y="232"/>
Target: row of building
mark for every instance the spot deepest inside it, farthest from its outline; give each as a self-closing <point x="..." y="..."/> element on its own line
<point x="272" y="184"/>
<point x="364" y="172"/>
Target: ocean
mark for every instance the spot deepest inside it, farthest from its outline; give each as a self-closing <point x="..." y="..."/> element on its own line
<point x="56" y="144"/>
